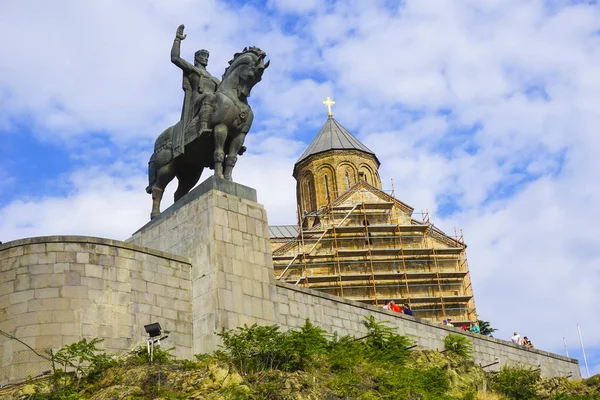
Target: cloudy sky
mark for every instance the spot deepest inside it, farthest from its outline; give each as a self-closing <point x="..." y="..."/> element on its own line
<point x="485" y="113"/>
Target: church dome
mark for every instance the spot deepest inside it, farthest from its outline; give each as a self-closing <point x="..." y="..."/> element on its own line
<point x="330" y="165"/>
<point x="333" y="136"/>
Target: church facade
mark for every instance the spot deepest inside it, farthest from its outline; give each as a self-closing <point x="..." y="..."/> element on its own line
<point x="358" y="242"/>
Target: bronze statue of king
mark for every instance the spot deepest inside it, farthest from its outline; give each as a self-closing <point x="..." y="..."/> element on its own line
<point x="215" y="119"/>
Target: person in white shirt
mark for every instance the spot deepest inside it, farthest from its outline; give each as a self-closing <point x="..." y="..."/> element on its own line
<point x="516" y="339"/>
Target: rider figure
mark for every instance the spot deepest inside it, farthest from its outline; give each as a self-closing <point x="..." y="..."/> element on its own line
<point x="198" y="84"/>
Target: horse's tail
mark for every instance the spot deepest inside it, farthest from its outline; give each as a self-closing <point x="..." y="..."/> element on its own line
<point x="151" y="173"/>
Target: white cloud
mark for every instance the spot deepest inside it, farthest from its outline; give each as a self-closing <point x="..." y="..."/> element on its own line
<point x="110" y="201"/>
<point x="79" y="67"/>
<point x="296" y="6"/>
<point x="100" y="204"/>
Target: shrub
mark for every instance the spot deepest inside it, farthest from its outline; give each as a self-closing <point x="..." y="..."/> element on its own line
<point x="252" y="348"/>
<point x="159" y="356"/>
<point x="345" y="353"/>
<point x="256" y="348"/>
<point x="516" y="382"/>
<point x="405" y="382"/>
<point x="459" y="344"/>
<point x="74" y="363"/>
<point x="302" y="345"/>
<point x="83" y="358"/>
<point x="384" y="343"/>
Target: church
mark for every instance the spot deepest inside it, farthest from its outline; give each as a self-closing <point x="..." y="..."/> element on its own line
<point x="356" y="241"/>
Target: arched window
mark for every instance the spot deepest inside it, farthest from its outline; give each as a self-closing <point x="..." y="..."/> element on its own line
<point x="313" y="194"/>
<point x="306" y="195"/>
<point x="347" y="180"/>
<point x="327" y="188"/>
<point x="309" y="201"/>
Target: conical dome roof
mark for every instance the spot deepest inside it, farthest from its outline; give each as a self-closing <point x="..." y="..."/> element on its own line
<point x="333" y="136"/>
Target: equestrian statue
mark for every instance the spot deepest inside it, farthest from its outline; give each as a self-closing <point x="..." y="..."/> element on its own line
<point x="215" y="119"/>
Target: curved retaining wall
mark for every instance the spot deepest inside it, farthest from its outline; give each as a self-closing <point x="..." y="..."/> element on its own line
<point x="59" y="289"/>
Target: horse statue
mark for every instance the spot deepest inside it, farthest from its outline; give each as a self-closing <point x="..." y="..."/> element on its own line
<point x="214" y="134"/>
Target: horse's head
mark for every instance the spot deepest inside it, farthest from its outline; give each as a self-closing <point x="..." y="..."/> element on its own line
<point x="245" y="70"/>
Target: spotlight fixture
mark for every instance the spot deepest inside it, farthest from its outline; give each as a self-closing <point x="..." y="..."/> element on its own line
<point x="154" y="337"/>
<point x="153" y="330"/>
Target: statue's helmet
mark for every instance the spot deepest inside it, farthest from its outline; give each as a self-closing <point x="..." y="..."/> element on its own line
<point x="201" y="56"/>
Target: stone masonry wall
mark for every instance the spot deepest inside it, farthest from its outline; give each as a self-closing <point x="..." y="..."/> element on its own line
<point x="335" y="314"/>
<point x="224" y="231"/>
<point x="57" y="290"/>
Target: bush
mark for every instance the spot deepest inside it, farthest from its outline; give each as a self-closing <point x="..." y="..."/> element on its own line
<point x="384" y="343"/>
<point x="407" y="383"/>
<point x="369" y="367"/>
<point x="74" y="363"/>
<point x="345" y="353"/>
<point x="82" y="358"/>
<point x="257" y="348"/>
<point x="470" y="395"/>
<point x="516" y="382"/>
<point x="459" y="344"/>
<point x="303" y="345"/>
<point x="159" y="356"/>
<point x="252" y="348"/>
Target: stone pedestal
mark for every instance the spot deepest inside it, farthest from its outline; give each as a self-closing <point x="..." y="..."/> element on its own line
<point x="224" y="231"/>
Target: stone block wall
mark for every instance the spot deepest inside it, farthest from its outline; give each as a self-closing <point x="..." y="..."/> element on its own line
<point x="335" y="314"/>
<point x="57" y="290"/>
<point x="224" y="231"/>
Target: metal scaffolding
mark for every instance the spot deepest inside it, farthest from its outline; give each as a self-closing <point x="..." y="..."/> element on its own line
<point x="372" y="250"/>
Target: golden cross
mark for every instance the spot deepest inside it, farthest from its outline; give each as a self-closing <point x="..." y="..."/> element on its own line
<point x="328" y="102"/>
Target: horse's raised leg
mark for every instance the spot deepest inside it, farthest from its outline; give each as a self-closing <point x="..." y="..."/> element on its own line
<point x="220" y="135"/>
<point x="234" y="147"/>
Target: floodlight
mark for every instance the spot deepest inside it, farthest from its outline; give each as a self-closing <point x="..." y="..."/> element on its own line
<point x="152" y="330"/>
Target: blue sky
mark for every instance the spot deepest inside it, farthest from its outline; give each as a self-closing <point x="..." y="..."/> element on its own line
<point x="485" y="114"/>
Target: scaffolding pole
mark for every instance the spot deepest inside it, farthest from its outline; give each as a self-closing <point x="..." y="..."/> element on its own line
<point x="437" y="270"/>
<point x="404" y="264"/>
<point x="587" y="369"/>
<point x="368" y="241"/>
<point x="304" y="270"/>
<point x="336" y="253"/>
<point x="566" y="349"/>
<point x="467" y="278"/>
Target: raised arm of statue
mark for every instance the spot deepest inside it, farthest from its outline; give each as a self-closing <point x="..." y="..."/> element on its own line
<point x="175" y="50"/>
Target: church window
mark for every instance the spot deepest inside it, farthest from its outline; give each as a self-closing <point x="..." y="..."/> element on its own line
<point x="309" y="201"/>
<point x="306" y="194"/>
<point x="347" y="180"/>
<point x="327" y="188"/>
<point x="312" y="194"/>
